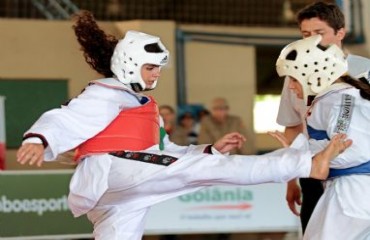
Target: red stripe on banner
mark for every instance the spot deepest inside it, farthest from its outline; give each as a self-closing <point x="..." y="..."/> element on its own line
<point x="241" y="206"/>
<point x="2" y="156"/>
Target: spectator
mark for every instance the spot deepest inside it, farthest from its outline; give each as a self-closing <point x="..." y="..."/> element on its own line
<point x="220" y="122"/>
<point x="169" y="118"/>
<point x="185" y="133"/>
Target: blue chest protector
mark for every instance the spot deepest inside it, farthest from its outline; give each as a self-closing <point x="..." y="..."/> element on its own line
<point x="360" y="169"/>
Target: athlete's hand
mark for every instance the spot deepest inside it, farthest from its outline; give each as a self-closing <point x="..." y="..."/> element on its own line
<point x="280" y="137"/>
<point x="293" y="196"/>
<point x="229" y="142"/>
<point x="31" y="153"/>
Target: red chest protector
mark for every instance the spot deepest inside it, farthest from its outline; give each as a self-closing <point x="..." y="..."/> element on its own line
<point x="134" y="129"/>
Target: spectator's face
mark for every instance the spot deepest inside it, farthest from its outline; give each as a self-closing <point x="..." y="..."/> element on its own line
<point x="167" y="115"/>
<point x="187" y="121"/>
<point x="314" y="26"/>
<point x="220" y="110"/>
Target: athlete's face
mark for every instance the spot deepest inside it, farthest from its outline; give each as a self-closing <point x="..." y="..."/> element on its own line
<point x="314" y="26"/>
<point x="296" y="87"/>
<point x="150" y="74"/>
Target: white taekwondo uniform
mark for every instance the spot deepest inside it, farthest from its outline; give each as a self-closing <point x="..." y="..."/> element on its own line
<point x="117" y="193"/>
<point x="343" y="211"/>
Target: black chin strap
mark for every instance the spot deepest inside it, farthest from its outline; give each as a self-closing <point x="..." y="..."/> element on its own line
<point x="136" y="87"/>
<point x="310" y="98"/>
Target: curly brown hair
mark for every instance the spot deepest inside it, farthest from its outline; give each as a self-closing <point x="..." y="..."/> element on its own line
<point x="96" y="45"/>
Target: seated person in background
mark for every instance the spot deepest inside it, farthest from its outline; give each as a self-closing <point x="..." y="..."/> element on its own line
<point x="185" y="133"/>
<point x="169" y="118"/>
<point x="219" y="123"/>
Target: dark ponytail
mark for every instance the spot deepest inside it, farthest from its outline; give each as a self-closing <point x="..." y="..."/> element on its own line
<point x="361" y="84"/>
<point x="96" y="45"/>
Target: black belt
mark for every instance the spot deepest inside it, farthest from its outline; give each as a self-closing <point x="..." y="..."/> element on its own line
<point x="164" y="160"/>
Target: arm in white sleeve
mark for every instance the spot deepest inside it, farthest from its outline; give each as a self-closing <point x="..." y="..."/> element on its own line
<point x="35" y="140"/>
<point x="196" y="149"/>
<point x="317" y="146"/>
<point x="85" y="116"/>
<point x="181" y="150"/>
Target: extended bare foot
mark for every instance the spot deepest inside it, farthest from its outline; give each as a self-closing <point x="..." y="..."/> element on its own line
<point x="321" y="161"/>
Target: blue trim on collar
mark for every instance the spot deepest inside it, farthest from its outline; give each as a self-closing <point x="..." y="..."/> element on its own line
<point x="317" y="134"/>
<point x="144" y="100"/>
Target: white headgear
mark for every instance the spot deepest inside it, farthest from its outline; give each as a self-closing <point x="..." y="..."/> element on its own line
<point x="130" y="55"/>
<point x="314" y="66"/>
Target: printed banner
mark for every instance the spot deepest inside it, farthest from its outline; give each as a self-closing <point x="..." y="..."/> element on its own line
<point x="33" y="204"/>
<point x="259" y="208"/>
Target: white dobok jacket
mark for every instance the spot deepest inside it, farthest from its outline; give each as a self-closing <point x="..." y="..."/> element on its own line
<point x="343" y="211"/>
<point x="117" y="193"/>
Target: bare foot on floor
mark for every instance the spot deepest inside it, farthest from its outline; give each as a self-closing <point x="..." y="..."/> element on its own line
<point x="321" y="161"/>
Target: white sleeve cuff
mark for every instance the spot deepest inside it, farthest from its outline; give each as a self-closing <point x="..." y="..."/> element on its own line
<point x="32" y="140"/>
<point x="216" y="152"/>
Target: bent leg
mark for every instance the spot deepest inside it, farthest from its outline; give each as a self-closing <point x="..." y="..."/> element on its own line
<point x="113" y="223"/>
